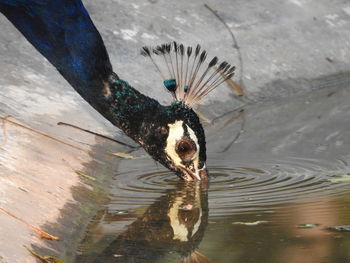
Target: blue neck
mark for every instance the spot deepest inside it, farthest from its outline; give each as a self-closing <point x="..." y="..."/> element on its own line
<point x="63" y="32"/>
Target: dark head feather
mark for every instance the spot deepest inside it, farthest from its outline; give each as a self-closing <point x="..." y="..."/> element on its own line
<point x="160" y="49"/>
<point x="222" y="65"/>
<point x="182" y="49"/>
<point x="229" y="76"/>
<point x="203" y="56"/>
<point x="213" y="62"/>
<point x="156" y="51"/>
<point x="231" y="70"/>
<point x="198" y="48"/>
<point x="189" y="51"/>
<point x="175" y="46"/>
<point x="226" y="68"/>
<point x="168" y="48"/>
<point x="145" y="51"/>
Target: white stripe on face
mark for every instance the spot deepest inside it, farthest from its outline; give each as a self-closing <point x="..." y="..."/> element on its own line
<point x="176" y="133"/>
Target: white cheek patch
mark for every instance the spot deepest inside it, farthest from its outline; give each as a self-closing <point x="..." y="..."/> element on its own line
<point x="176" y="132"/>
<point x="180" y="231"/>
<point x="194" y="138"/>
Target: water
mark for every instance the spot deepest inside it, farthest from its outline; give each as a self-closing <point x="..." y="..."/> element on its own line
<point x="271" y="195"/>
<point x="172" y="220"/>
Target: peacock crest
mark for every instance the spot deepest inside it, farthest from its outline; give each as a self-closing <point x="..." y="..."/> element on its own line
<point x="186" y="72"/>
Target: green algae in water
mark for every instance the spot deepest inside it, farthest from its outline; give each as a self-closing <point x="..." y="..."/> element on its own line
<point x="82" y="174"/>
<point x="340" y="178"/>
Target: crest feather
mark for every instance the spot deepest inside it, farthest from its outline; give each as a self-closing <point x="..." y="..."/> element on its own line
<point x="187" y="77"/>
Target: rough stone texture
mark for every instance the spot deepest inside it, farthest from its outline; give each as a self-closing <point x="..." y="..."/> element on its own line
<point x="286" y="48"/>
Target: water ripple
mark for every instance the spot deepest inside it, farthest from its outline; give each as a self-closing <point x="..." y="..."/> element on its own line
<point x="239" y="189"/>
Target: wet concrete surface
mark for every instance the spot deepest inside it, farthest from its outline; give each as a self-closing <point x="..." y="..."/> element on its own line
<point x="292" y="61"/>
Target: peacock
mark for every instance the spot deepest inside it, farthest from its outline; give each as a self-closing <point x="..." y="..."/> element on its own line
<point x="63" y="32"/>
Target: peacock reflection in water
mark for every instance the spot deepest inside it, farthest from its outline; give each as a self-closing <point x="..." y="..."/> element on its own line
<point x="173" y="225"/>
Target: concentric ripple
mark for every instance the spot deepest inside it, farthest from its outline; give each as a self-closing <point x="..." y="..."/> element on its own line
<point x="241" y="190"/>
<point x="238" y="189"/>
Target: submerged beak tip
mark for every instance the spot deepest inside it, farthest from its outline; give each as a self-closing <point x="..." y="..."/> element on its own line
<point x="198" y="175"/>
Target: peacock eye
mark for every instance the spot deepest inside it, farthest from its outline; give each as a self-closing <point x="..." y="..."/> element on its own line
<point x="185" y="148"/>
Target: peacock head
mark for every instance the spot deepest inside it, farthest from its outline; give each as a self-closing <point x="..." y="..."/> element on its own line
<point x="175" y="137"/>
